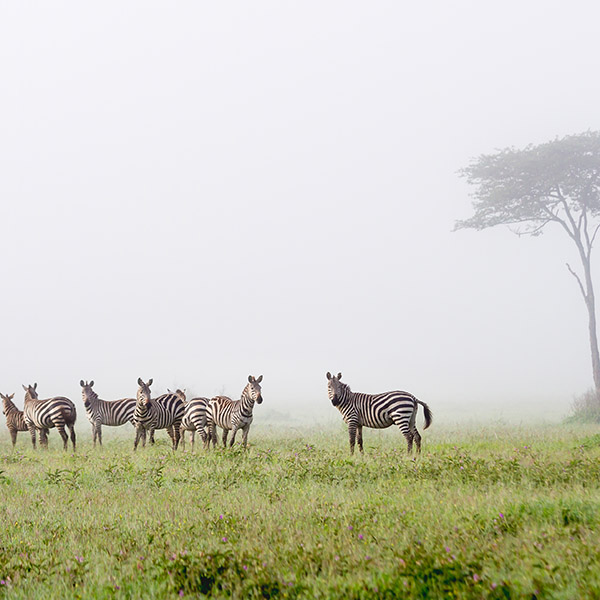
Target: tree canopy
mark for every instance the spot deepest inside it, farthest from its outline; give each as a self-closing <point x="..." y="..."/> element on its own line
<point x="556" y="182"/>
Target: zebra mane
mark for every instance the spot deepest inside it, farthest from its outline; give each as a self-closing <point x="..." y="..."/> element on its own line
<point x="345" y="387"/>
<point x="9" y="404"/>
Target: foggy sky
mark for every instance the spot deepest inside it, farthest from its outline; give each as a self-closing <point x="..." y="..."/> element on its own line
<point x="196" y="192"/>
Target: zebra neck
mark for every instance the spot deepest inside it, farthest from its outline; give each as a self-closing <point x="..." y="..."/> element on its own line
<point x="142" y="409"/>
<point x="92" y="399"/>
<point x="10" y="408"/>
<point x="346" y="397"/>
<point x="247" y="404"/>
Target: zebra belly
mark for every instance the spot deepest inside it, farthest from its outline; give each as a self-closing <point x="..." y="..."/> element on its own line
<point x="380" y="423"/>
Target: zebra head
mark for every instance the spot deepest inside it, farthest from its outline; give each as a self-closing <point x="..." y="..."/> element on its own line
<point x="143" y="393"/>
<point x="253" y="389"/>
<point x="87" y="393"/>
<point x="6" y="403"/>
<point x="30" y="392"/>
<point x="334" y="387"/>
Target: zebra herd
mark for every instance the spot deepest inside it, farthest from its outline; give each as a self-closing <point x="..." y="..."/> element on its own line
<point x="174" y="413"/>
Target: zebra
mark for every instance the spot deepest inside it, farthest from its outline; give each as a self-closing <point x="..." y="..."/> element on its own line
<point x="234" y="414"/>
<point x="101" y="412"/>
<point x="14" y="417"/>
<point x="164" y="412"/>
<point x="377" y="411"/>
<point x="195" y="420"/>
<point x="42" y="415"/>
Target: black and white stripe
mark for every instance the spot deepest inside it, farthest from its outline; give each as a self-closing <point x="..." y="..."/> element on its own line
<point x="15" y="421"/>
<point x="377" y="411"/>
<point x="42" y="415"/>
<point x="164" y="412"/>
<point x="232" y="415"/>
<point x="195" y="420"/>
<point x="102" y="412"/>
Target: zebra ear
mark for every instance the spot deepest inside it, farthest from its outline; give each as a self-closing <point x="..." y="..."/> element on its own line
<point x="91" y="383"/>
<point x="150" y="382"/>
<point x="81" y="383"/>
<point x="328" y="375"/>
<point x="339" y="376"/>
<point x="140" y="382"/>
<point x="168" y="390"/>
<point x="35" y="386"/>
<point x="259" y="379"/>
<point x="250" y="378"/>
<point x="25" y="388"/>
<point x="11" y="396"/>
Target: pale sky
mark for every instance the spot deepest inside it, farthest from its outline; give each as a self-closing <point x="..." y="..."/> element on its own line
<point x="196" y="192"/>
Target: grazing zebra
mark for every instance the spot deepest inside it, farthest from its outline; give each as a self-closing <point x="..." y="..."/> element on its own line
<point x="101" y="412"/>
<point x="14" y="417"/>
<point x="164" y="412"/>
<point x="195" y="420"/>
<point x="234" y="414"/>
<point x="377" y="411"/>
<point x="41" y="415"/>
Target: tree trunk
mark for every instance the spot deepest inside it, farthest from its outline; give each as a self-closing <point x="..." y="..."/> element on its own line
<point x="590" y="303"/>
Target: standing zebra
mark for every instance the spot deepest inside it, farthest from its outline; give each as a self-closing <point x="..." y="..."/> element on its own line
<point x="164" y="412"/>
<point x="101" y="412"/>
<point x="14" y="417"/>
<point x="234" y="414"/>
<point x="195" y="420"/>
<point x="378" y="411"/>
<point x="41" y="415"/>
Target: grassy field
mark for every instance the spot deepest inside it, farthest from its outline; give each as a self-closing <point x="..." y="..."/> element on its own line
<point x="483" y="513"/>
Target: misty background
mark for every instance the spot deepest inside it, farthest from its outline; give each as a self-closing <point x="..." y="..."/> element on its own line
<point x="196" y="192"/>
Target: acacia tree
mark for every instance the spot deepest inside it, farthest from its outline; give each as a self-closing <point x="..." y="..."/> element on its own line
<point x="557" y="183"/>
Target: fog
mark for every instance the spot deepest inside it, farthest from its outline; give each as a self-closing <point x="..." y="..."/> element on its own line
<point x="196" y="192"/>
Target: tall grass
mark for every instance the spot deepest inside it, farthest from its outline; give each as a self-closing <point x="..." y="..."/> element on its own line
<point x="495" y="513"/>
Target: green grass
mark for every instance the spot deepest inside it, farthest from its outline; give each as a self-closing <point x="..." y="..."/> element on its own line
<point x="483" y="513"/>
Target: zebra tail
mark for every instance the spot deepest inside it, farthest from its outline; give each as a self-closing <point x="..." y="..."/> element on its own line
<point x="428" y="413"/>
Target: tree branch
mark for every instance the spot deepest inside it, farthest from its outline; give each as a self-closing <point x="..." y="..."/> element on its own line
<point x="578" y="281"/>
<point x="594" y="235"/>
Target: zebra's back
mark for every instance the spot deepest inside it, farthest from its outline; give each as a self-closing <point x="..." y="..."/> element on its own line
<point x="48" y="413"/>
<point x="382" y="410"/>
<point x="16" y="421"/>
<point x="112" y="412"/>
<point x="221" y="409"/>
<point x="195" y="414"/>
<point x="167" y="410"/>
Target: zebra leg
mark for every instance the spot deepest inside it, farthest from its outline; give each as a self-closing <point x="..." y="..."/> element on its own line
<point x="245" y="432"/>
<point x="71" y="427"/>
<point x="417" y="438"/>
<point x="403" y="424"/>
<point x="99" y="433"/>
<point x="235" y="430"/>
<point x="13" y="437"/>
<point x="352" y="436"/>
<point x="359" y="438"/>
<point x="94" y="433"/>
<point x="32" y="430"/>
<point x="177" y="428"/>
<point x="225" y="434"/>
<point x="138" y="435"/>
<point x="171" y="435"/>
<point x="44" y="438"/>
<point x="63" y="434"/>
<point x="192" y="438"/>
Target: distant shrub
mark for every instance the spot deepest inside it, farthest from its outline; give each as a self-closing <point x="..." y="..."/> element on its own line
<point x="586" y="408"/>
